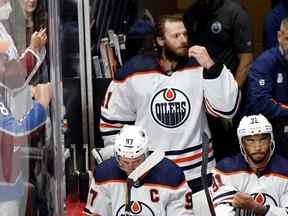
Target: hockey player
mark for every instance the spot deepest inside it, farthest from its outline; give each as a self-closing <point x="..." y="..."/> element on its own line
<point x="254" y="183"/>
<point x="162" y="190"/>
<point x="167" y="95"/>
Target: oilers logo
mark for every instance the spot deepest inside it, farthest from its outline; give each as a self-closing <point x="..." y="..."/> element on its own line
<point x="216" y="27"/>
<point x="170" y="108"/>
<point x="137" y="209"/>
<point x="264" y="199"/>
<point x="260" y="198"/>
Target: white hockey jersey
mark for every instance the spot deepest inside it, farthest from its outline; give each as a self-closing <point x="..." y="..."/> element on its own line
<point x="163" y="191"/>
<point x="170" y="108"/>
<point x="268" y="187"/>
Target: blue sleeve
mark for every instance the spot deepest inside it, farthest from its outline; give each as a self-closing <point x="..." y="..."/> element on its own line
<point x="260" y="84"/>
<point x="270" y="28"/>
<point x="33" y="120"/>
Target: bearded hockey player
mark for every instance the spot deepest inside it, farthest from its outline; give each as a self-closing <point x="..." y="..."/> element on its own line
<point x="168" y="95"/>
<point x="160" y="191"/>
<point x="254" y="182"/>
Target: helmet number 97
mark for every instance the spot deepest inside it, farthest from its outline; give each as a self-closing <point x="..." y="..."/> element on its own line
<point x="129" y="141"/>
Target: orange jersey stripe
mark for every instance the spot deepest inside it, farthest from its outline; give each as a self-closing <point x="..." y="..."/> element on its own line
<point x="284" y="106"/>
<point x="165" y="186"/>
<point x="118" y="181"/>
<point x="191" y="158"/>
<point x="250" y="172"/>
<point x="105" y="125"/>
<point x="233" y="173"/>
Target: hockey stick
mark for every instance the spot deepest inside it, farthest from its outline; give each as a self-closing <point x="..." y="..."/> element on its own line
<point x="84" y="177"/>
<point x="74" y="177"/>
<point x="150" y="162"/>
<point x="205" y="155"/>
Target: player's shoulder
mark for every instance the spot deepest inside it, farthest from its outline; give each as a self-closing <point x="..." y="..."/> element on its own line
<point x="138" y="64"/>
<point x="278" y="165"/>
<point x="232" y="164"/>
<point x="268" y="58"/>
<point x="166" y="174"/>
<point x="108" y="171"/>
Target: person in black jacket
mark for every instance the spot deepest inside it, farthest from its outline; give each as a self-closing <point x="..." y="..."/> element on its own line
<point x="224" y="28"/>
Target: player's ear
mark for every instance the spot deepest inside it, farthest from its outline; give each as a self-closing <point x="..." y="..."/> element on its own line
<point x="279" y="36"/>
<point x="160" y="41"/>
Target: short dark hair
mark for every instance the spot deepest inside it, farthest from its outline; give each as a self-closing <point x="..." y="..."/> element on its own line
<point x="284" y="25"/>
<point x="159" y="27"/>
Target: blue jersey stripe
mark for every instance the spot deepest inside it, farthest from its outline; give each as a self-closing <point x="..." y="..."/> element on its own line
<point x="34" y="119"/>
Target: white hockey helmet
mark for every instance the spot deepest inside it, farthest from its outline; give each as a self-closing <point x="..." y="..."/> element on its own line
<point x="131" y="142"/>
<point x="251" y="125"/>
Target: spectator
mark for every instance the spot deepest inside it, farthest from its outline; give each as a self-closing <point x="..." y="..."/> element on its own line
<point x="272" y="24"/>
<point x="13" y="135"/>
<point x="166" y="94"/>
<point x="19" y="119"/>
<point x="35" y="16"/>
<point x="163" y="190"/>
<point x="36" y="19"/>
<point x="254" y="183"/>
<point x="267" y="86"/>
<point x="224" y="28"/>
<point x="16" y="73"/>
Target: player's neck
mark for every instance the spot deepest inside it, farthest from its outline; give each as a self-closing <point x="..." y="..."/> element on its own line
<point x="167" y="65"/>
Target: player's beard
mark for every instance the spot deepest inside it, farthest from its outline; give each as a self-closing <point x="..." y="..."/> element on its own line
<point x="172" y="54"/>
<point x="260" y="162"/>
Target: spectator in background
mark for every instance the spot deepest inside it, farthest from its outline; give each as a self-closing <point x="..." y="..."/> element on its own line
<point x="272" y="24"/>
<point x="35" y="16"/>
<point x="36" y="19"/>
<point x="15" y="133"/>
<point x="267" y="86"/>
<point x="254" y="182"/>
<point x="224" y="28"/>
<point x="20" y="116"/>
<point x="19" y="70"/>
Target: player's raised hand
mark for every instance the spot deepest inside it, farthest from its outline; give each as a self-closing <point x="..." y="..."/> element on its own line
<point x="201" y="55"/>
<point x="38" y="40"/>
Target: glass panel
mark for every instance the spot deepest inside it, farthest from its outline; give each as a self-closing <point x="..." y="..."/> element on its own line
<point x="26" y="150"/>
<point x="29" y="148"/>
